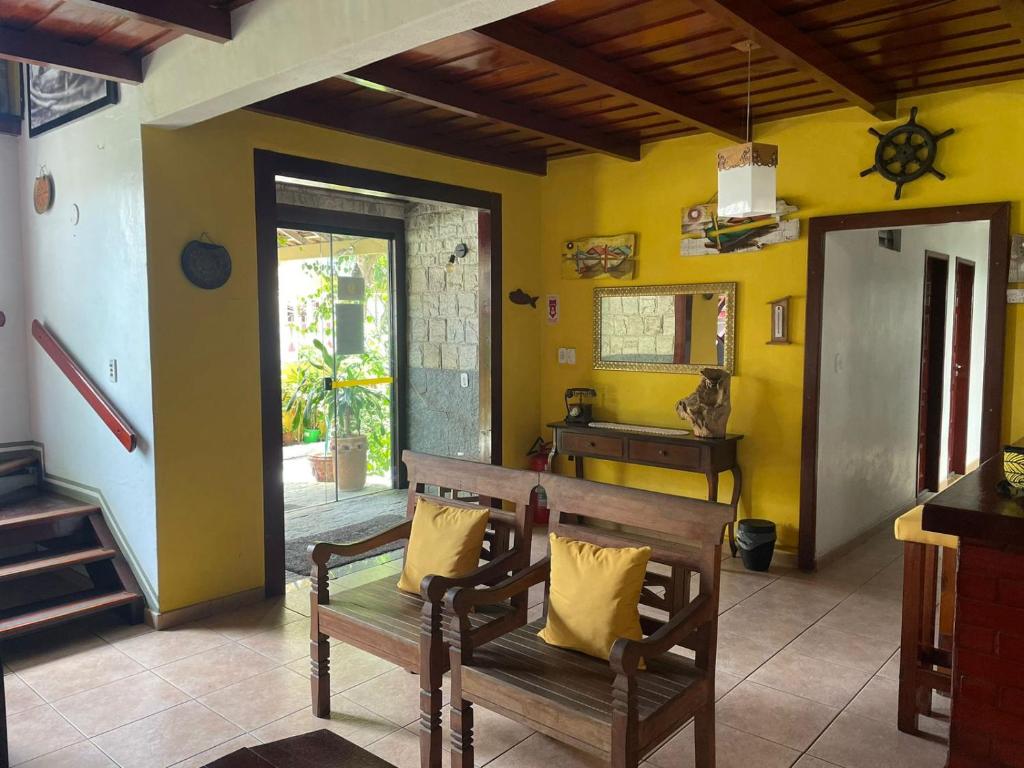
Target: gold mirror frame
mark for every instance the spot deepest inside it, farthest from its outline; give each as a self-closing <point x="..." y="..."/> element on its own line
<point x="729" y="289"/>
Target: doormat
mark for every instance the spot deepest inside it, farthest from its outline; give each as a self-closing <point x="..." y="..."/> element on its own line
<point x="296" y="556"/>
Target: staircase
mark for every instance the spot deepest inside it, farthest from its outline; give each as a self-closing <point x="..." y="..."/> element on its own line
<point x="58" y="559"/>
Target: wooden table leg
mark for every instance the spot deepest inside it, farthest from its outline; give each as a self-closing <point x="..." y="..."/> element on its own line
<point x="578" y="461"/>
<point x="737" y="487"/>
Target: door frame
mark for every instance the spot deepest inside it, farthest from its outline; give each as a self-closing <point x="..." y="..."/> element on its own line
<point x="998" y="217"/>
<point x="393" y="230"/>
<point x="959" y="465"/>
<point x="267" y="166"/>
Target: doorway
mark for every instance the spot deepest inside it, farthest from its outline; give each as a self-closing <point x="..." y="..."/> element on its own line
<point x="933" y="351"/>
<point x="465" y="377"/>
<point x="960" y="368"/>
<point x="854" y="444"/>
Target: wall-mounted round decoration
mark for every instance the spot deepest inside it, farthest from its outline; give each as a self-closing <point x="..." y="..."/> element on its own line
<point x="206" y="265"/>
<point x="43" y="193"/>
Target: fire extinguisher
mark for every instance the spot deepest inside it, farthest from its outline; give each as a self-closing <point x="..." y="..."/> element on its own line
<point x="539" y="460"/>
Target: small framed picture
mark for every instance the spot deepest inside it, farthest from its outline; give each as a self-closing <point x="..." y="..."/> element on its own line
<point x="54" y="97"/>
<point x="780" y="321"/>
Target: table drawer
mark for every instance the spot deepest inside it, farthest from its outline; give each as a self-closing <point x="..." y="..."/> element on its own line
<point x="665" y="454"/>
<point x="599" y="446"/>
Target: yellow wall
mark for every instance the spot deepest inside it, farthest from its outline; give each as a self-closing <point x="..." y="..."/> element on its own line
<point x="820" y="158"/>
<point x="205" y="343"/>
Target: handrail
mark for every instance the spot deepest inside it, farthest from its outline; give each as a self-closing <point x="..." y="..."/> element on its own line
<point x="78" y="378"/>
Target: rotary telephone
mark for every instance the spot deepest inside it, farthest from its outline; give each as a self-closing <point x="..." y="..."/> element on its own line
<point x="579" y="412"/>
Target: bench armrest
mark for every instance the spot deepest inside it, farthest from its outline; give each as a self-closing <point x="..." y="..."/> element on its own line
<point x="434" y="587"/>
<point x="626" y="654"/>
<point x="461" y="600"/>
<point x="320" y="553"/>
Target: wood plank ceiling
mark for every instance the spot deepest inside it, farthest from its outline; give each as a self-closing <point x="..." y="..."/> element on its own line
<point x="107" y="38"/>
<point x="607" y="76"/>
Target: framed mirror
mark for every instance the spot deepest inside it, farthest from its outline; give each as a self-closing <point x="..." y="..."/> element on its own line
<point x="669" y="328"/>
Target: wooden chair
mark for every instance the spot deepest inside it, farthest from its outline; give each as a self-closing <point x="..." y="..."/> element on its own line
<point x="610" y="708"/>
<point x="406" y="629"/>
<point x="924" y="664"/>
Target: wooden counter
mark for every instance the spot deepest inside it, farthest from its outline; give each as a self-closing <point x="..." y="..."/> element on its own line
<point x="987" y="715"/>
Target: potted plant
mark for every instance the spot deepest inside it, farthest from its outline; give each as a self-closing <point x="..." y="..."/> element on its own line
<point x="311" y="406"/>
<point x="351" y="446"/>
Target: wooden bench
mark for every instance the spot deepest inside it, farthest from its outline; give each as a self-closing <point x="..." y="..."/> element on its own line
<point x="610" y="708"/>
<point x="406" y="629"/>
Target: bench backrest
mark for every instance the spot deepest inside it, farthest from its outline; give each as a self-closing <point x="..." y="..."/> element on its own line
<point x="505" y="492"/>
<point x="650" y="517"/>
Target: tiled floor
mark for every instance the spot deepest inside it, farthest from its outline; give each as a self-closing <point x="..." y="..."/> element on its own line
<point x="807" y="678"/>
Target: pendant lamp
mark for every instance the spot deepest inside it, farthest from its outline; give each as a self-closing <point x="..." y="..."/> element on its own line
<point x="746" y="172"/>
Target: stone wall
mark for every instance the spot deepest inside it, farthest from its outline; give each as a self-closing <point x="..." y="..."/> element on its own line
<point x="634" y="326"/>
<point x="444" y="330"/>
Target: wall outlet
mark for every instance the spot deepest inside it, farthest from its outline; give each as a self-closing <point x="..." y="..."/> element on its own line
<point x="567" y="355"/>
<point x="112" y="371"/>
<point x="464" y="379"/>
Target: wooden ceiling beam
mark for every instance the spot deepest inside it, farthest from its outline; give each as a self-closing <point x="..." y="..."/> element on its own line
<point x="755" y="20"/>
<point x="1013" y="10"/>
<point x="552" y="52"/>
<point x="430" y="90"/>
<point x="189" y="17"/>
<point x="337" y="115"/>
<point x="31" y="47"/>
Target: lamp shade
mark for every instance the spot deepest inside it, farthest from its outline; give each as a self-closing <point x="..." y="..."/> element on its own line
<point x="746" y="180"/>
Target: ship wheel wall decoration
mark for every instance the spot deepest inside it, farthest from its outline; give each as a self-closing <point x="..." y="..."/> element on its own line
<point x="906" y="153"/>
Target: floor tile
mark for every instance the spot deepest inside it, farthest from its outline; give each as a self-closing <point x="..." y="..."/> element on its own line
<point x="395" y="695"/>
<point x="807" y="761"/>
<point x="168" y="737"/>
<point x="735" y="587"/>
<point x="79" y="671"/>
<point x="212" y="670"/>
<point x="402" y="749"/>
<point x="774" y="715"/>
<point x="740" y="654"/>
<point x="810" y="678"/>
<point x="856" y="651"/>
<point x="158" y="648"/>
<point x="259" y="700"/>
<point x="233" y="745"/>
<point x="878" y="700"/>
<point x="725" y="682"/>
<point x="350" y="666"/>
<point x="283" y="644"/>
<point x="868" y="614"/>
<point x="119" y="703"/>
<point x="733" y="749"/>
<point x="891" y="669"/>
<point x="297" y="599"/>
<point x="38" y="731"/>
<point x="252" y="619"/>
<point x="18" y="695"/>
<point x="539" y="751"/>
<point x="81" y="755"/>
<point x="800" y="599"/>
<point x="49" y="645"/>
<point x="350" y="721"/>
<point x="773" y="627"/>
<point x="859" y="742"/>
<point x="113" y="628"/>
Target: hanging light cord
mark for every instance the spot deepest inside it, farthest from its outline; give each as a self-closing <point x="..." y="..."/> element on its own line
<point x="750" y="47"/>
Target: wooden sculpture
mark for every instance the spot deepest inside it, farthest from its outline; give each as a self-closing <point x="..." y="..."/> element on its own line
<point x="708" y="408"/>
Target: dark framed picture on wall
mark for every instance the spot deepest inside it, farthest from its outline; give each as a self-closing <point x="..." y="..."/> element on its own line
<point x="10" y="98"/>
<point x="54" y="97"/>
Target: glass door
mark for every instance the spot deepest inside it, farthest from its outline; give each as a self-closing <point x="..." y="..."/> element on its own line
<point x="336" y="301"/>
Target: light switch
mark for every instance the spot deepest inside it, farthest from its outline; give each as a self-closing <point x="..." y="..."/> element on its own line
<point x="570" y="355"/>
<point x="112" y="371"/>
<point x="464" y="379"/>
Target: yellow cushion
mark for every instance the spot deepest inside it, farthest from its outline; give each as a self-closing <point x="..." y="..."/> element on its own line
<point x="444" y="540"/>
<point x="908" y="528"/>
<point x="594" y="595"/>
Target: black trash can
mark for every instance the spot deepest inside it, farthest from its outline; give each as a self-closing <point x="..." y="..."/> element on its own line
<point x="756" y="541"/>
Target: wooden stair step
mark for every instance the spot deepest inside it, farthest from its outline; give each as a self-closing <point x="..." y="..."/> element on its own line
<point x="31" y="507"/>
<point x="55" y="562"/>
<point x="33" y="620"/>
<point x="10" y="466"/>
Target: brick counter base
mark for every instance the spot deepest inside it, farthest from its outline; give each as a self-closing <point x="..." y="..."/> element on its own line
<point x="987" y="719"/>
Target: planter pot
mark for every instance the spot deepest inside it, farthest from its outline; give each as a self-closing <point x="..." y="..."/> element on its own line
<point x="311" y="436"/>
<point x="323" y="467"/>
<point x="350" y="455"/>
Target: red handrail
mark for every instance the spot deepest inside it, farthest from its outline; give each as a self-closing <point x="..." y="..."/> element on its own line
<point x="104" y="409"/>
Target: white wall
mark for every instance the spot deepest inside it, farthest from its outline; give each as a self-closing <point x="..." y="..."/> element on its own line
<point x="88" y="284"/>
<point x="870" y="372"/>
<point x="14" y="421"/>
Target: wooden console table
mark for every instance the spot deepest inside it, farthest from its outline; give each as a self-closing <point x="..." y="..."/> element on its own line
<point x="706" y="456"/>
